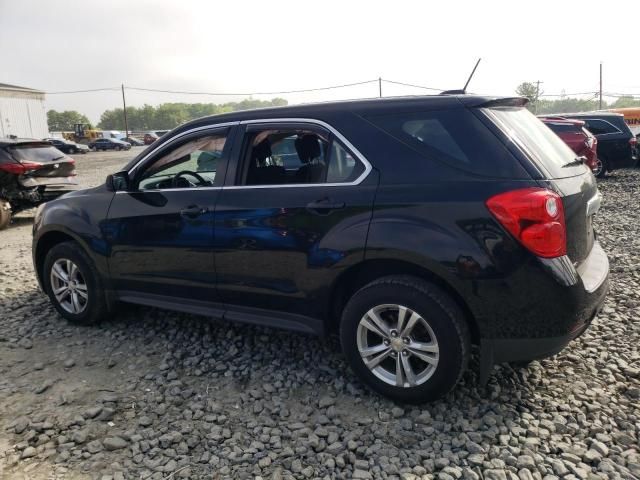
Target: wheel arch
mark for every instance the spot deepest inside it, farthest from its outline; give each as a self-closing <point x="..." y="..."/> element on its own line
<point x="45" y="243"/>
<point x="359" y="275"/>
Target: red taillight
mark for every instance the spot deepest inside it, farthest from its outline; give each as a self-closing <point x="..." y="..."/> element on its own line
<point x="633" y="141"/>
<point x="534" y="216"/>
<point x="19" y="168"/>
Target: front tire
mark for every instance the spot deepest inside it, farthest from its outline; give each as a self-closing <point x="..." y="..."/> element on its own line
<point x="405" y="338"/>
<point x="5" y="213"/>
<point x="73" y="284"/>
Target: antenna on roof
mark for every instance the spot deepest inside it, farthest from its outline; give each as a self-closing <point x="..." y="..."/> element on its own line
<point x="464" y="89"/>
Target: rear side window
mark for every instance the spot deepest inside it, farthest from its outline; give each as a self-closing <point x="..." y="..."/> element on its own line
<point x="456" y="137"/>
<point x="297" y="156"/>
<point x="600" y="127"/>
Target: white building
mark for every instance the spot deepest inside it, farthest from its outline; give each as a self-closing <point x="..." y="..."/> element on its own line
<point x="22" y="112"/>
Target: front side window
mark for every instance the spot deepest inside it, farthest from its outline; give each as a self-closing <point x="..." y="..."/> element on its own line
<point x="191" y="164"/>
<point x="297" y="156"/>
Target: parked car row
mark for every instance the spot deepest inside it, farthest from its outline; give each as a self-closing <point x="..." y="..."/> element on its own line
<point x="616" y="144"/>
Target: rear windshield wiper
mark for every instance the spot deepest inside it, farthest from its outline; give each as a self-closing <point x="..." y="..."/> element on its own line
<point x="577" y="161"/>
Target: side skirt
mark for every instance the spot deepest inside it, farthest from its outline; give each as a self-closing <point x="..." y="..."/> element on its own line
<point x="235" y="313"/>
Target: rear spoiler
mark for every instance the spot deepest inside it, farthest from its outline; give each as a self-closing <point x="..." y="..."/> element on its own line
<point x="505" y="102"/>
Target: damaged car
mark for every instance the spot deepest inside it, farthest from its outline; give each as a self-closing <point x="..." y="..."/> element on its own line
<point x="31" y="173"/>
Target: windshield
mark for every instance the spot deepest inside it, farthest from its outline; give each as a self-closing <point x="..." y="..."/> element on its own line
<point x="36" y="153"/>
<point x="537" y="140"/>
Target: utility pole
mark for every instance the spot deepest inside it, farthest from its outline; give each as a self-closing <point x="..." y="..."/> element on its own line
<point x="380" y="86"/>
<point x="600" y="86"/>
<point x="124" y="109"/>
<point x="535" y="106"/>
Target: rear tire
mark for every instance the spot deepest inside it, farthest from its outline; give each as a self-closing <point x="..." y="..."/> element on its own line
<point x="601" y="167"/>
<point x="418" y="364"/>
<point x="68" y="259"/>
<point x="5" y="213"/>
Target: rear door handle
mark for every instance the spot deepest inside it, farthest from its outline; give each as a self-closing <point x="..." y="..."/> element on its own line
<point x="192" y="211"/>
<point x="324" y="206"/>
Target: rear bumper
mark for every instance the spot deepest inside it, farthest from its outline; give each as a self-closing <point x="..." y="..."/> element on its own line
<point x="580" y="296"/>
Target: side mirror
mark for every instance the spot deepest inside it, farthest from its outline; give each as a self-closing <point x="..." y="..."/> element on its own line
<point x="117" y="182"/>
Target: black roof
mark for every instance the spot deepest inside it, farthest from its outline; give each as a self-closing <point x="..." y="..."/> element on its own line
<point x="359" y="107"/>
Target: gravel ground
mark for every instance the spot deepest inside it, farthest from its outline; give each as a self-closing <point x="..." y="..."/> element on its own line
<point x="156" y="394"/>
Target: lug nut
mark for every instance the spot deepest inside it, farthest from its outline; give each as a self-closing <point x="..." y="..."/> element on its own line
<point x="386" y="341"/>
<point x="405" y="353"/>
<point x="394" y="333"/>
<point x="406" y="340"/>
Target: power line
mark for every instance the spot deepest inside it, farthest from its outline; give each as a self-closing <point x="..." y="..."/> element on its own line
<point x="115" y="89"/>
<point x="414" y="86"/>
<point x="245" y="94"/>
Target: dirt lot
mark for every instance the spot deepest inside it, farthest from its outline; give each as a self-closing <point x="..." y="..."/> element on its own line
<point x="155" y="394"/>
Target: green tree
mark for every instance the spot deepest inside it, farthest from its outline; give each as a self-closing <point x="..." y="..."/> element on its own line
<point x="625" y="102"/>
<point x="169" y="115"/>
<point x="65" y="121"/>
<point x="531" y="91"/>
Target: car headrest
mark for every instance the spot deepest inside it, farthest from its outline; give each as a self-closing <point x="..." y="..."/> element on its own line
<point x="308" y="147"/>
<point x="262" y="150"/>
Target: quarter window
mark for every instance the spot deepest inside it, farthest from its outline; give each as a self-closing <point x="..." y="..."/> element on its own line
<point x="192" y="164"/>
<point x="455" y="137"/>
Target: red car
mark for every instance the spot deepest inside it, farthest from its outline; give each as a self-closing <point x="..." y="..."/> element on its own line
<point x="579" y="139"/>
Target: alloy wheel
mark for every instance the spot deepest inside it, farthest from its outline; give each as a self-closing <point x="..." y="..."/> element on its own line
<point x="69" y="286"/>
<point x="397" y="345"/>
<point x="597" y="170"/>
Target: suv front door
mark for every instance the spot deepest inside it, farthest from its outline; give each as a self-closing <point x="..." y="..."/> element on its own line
<point x="160" y="231"/>
<point x="293" y="214"/>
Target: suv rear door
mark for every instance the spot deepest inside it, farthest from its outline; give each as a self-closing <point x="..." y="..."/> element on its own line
<point x="289" y="221"/>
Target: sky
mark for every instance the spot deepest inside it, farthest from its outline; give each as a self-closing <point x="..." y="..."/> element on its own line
<point x="266" y="46"/>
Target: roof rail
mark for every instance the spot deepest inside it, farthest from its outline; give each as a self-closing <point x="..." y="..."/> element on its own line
<point x="453" y="92"/>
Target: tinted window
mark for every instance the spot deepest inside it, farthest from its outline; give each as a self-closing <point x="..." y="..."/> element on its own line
<point x="600" y="127"/>
<point x="456" y="137"/>
<point x="540" y="143"/>
<point x="297" y="156"/>
<point x="36" y="153"/>
<point x="563" y="127"/>
<point x="196" y="160"/>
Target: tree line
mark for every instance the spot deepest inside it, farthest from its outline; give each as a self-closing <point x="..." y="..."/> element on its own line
<point x="169" y="115"/>
<point x="541" y="105"/>
<point x="163" y="117"/>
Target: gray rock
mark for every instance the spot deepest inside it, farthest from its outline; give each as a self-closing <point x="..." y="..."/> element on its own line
<point x="114" y="443"/>
<point x="20" y="425"/>
<point x="326" y="401"/>
<point x="28" y="452"/>
<point x="361" y="475"/>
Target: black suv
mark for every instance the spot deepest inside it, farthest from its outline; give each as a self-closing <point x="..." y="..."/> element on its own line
<point x="413" y="227"/>
<point x="616" y="143"/>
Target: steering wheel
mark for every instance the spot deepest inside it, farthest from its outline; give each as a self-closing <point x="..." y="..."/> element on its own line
<point x="179" y="175"/>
